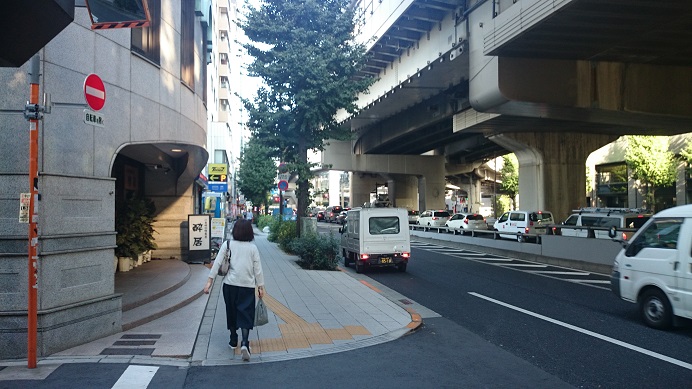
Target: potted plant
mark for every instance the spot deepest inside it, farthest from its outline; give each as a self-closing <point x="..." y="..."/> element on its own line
<point x="135" y="230"/>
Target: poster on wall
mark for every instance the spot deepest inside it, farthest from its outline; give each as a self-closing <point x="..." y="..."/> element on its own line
<point x="218" y="226"/>
<point x="199" y="238"/>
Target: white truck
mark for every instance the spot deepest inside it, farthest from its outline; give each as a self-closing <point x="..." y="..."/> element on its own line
<point x="376" y="237"/>
<point x="654" y="269"/>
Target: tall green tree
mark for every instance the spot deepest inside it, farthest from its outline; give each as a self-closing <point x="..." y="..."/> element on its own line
<point x="510" y="177"/>
<point x="306" y="53"/>
<point x="686" y="154"/>
<point x="256" y="172"/>
<point x="650" y="162"/>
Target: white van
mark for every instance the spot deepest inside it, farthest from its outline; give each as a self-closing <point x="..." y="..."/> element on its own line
<point x="654" y="269"/>
<point x="518" y="224"/>
<point x="601" y="220"/>
<point x="376" y="237"/>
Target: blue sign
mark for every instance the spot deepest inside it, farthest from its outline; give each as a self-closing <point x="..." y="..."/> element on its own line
<point x="283" y="185"/>
<point x="218" y="186"/>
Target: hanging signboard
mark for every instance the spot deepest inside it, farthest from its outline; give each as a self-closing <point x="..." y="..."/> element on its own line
<point x="199" y="238"/>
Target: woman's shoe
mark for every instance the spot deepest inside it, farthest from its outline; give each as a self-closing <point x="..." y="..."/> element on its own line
<point x="233" y="343"/>
<point x="245" y="351"/>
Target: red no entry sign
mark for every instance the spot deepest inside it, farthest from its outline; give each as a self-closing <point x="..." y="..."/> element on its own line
<point x="94" y="92"/>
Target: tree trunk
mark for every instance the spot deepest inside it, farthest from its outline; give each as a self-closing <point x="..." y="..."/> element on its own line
<point x="303" y="185"/>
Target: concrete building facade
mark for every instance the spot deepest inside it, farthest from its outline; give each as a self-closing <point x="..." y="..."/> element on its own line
<point x="151" y="144"/>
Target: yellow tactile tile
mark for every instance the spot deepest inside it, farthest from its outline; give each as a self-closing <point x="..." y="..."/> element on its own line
<point x="357" y="330"/>
<point x="272" y="344"/>
<point x="296" y="333"/>
<point x="338" y="334"/>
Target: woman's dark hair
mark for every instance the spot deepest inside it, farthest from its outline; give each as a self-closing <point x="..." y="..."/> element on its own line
<point x="242" y="231"/>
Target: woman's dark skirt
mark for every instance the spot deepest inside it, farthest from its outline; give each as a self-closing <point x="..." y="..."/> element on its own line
<point x="240" y="306"/>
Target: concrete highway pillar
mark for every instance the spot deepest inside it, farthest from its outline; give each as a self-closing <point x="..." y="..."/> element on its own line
<point x="407" y="192"/>
<point x="391" y="190"/>
<point x="552" y="168"/>
<point x="361" y="186"/>
<point x="421" y="194"/>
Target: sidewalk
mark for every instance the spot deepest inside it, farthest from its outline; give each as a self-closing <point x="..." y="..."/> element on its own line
<point x="310" y="313"/>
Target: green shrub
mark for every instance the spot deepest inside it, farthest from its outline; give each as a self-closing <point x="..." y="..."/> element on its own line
<point x="316" y="252"/>
<point x="264" y="221"/>
<point x="282" y="232"/>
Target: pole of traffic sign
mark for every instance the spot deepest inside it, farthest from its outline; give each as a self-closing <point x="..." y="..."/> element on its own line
<point x="32" y="312"/>
<point x="281" y="204"/>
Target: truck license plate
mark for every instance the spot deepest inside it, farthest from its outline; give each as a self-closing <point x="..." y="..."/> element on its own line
<point x="385" y="260"/>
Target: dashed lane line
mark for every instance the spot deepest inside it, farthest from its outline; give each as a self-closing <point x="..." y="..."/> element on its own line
<point x="614" y="341"/>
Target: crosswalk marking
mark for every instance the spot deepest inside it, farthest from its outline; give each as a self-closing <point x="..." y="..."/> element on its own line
<point x="136" y="377"/>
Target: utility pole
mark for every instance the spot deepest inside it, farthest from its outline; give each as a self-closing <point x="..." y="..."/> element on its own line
<point x="33" y="112"/>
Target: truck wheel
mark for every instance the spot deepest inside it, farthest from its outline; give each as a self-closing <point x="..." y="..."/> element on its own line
<point x="360" y="267"/>
<point x="655" y="309"/>
<point x="346" y="256"/>
<point x="402" y="267"/>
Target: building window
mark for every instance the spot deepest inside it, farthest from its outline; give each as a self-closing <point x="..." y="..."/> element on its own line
<point x="220" y="156"/>
<point x="145" y="41"/>
<point x="224" y="58"/>
<point x="224" y="82"/>
<point x="224" y="104"/>
<point x="187" y="43"/>
<point x="611" y="185"/>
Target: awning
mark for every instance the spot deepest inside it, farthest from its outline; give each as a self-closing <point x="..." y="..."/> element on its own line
<point x="450" y="186"/>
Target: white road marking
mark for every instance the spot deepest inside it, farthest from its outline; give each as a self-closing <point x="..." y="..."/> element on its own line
<point x="590" y="333"/>
<point x="523" y="265"/>
<point x="135" y="377"/>
<point x="589" y="281"/>
<point x="574" y="273"/>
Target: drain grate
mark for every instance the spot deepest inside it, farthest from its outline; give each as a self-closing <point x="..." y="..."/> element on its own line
<point x="141" y="336"/>
<point x="129" y="344"/>
<point x="127" y="351"/>
<point x="406" y="301"/>
<point x="134" y="343"/>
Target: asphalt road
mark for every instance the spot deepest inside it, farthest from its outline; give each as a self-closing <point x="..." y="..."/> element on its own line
<point x="581" y="334"/>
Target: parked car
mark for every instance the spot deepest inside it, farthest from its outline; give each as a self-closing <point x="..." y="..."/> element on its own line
<point x="433" y="218"/>
<point x="465" y="222"/>
<point x="341" y="219"/>
<point x="314" y="211"/>
<point x="602" y="219"/>
<point x="412" y="216"/>
<point x="332" y="212"/>
<point x="518" y="224"/>
<point x="320" y="216"/>
<point x="653" y="269"/>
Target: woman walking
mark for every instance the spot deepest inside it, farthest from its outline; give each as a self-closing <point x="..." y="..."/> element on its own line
<point x="244" y="274"/>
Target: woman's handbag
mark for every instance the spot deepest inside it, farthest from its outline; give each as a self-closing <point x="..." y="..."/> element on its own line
<point x="226" y="264"/>
<point x="261" y="315"/>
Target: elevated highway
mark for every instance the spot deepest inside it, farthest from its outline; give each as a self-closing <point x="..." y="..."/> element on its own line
<point x="551" y="80"/>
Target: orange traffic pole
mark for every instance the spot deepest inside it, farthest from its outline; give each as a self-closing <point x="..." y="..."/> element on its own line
<point x="32" y="310"/>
